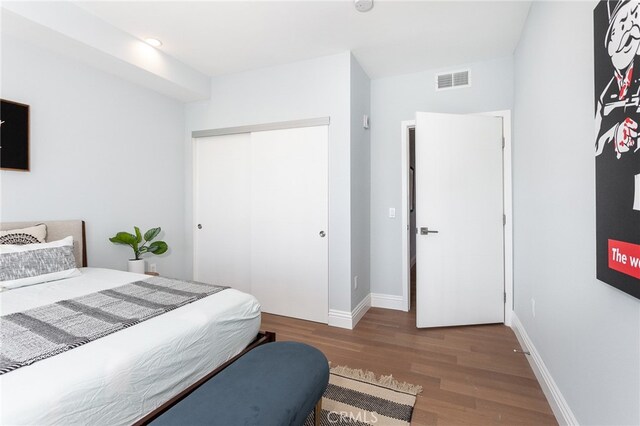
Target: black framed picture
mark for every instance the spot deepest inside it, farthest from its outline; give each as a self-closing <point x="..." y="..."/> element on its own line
<point x="617" y="155"/>
<point x="14" y="136"/>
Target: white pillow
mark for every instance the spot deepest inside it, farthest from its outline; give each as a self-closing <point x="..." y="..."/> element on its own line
<point x="29" y="264"/>
<point x="32" y="235"/>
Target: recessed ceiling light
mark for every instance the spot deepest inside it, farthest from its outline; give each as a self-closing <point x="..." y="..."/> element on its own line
<point x="153" y="42"/>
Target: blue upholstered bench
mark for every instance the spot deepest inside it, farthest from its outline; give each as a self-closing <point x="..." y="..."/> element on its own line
<point x="277" y="383"/>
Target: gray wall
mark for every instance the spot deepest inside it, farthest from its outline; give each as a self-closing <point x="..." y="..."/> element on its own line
<point x="393" y="100"/>
<point x="360" y="182"/>
<point x="102" y="150"/>
<point x="587" y="332"/>
<point x="307" y="89"/>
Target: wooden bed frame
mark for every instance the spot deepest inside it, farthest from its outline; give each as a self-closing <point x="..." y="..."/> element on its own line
<point x="261" y="339"/>
<point x="60" y="229"/>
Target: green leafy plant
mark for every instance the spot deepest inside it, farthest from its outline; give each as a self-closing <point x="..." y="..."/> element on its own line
<point x="136" y="241"/>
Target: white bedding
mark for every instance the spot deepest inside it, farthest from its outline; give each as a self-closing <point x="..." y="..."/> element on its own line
<point x="121" y="377"/>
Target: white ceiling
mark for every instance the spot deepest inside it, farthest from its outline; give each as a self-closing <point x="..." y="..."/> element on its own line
<point x="396" y="37"/>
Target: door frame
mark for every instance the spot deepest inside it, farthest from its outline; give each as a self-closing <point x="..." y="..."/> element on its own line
<point x="507" y="189"/>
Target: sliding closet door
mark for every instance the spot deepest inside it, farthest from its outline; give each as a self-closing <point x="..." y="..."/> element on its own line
<point x="289" y="218"/>
<point x="261" y="217"/>
<point x="222" y="211"/>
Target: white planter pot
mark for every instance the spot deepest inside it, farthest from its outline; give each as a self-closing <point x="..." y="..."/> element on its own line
<point x="136" y="266"/>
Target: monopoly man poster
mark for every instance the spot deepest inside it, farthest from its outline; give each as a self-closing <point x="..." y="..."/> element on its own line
<point x="617" y="153"/>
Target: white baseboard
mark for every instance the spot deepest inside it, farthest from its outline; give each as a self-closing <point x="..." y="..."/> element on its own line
<point x="558" y="404"/>
<point x="387" y="301"/>
<point x="342" y="319"/>
<point x="349" y="320"/>
<point x="361" y="309"/>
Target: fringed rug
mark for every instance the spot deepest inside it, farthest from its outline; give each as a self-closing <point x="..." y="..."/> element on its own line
<point x="356" y="397"/>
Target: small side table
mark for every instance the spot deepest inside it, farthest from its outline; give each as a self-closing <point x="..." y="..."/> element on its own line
<point x="155" y="274"/>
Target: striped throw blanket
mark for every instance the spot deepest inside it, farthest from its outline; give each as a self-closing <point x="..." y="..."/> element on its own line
<point x="42" y="332"/>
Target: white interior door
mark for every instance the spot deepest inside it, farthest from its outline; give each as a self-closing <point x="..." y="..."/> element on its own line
<point x="289" y="248"/>
<point x="222" y="211"/>
<point x="260" y="207"/>
<point x="460" y="269"/>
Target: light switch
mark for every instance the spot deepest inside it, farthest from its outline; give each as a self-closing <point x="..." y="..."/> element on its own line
<point x="392" y="212"/>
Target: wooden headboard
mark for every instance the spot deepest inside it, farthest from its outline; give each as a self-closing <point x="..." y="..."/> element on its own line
<point x="57" y="230"/>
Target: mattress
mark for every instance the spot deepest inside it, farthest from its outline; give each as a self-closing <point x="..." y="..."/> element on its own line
<point x="123" y="376"/>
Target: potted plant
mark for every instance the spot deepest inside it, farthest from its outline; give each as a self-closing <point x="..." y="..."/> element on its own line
<point x="139" y="247"/>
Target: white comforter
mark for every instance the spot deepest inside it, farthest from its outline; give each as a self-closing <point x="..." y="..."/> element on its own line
<point x="121" y="377"/>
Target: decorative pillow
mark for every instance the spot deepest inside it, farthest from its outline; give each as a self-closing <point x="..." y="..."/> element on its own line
<point x="29" y="264"/>
<point x="32" y="235"/>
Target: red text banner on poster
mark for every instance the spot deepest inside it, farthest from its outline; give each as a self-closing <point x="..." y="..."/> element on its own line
<point x="624" y="257"/>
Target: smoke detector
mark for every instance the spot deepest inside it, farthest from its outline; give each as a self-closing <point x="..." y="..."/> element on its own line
<point x="364" y="5"/>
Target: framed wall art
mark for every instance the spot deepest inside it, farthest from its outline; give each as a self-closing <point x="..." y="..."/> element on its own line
<point x="617" y="154"/>
<point x="14" y="136"/>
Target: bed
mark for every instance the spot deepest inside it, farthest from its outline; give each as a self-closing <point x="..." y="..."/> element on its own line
<point x="133" y="374"/>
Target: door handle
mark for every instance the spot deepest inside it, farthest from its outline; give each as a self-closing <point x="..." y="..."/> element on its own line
<point x="322" y="234"/>
<point x="426" y="231"/>
<point x="199" y="226"/>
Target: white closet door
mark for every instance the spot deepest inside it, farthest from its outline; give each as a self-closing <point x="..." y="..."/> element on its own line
<point x="289" y="218"/>
<point x="222" y="211"/>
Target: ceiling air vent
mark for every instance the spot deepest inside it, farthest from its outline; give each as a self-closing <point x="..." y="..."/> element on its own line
<point x="451" y="80"/>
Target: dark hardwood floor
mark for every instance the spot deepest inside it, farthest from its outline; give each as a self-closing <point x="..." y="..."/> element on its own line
<point x="470" y="375"/>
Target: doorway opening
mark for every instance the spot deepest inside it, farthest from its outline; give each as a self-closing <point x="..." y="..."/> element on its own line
<point x="409" y="228"/>
<point x="412" y="216"/>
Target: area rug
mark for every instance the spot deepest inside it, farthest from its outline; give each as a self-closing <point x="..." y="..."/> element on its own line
<point x="357" y="397"/>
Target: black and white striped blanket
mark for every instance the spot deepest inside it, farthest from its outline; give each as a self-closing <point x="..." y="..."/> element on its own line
<point x="42" y="332"/>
